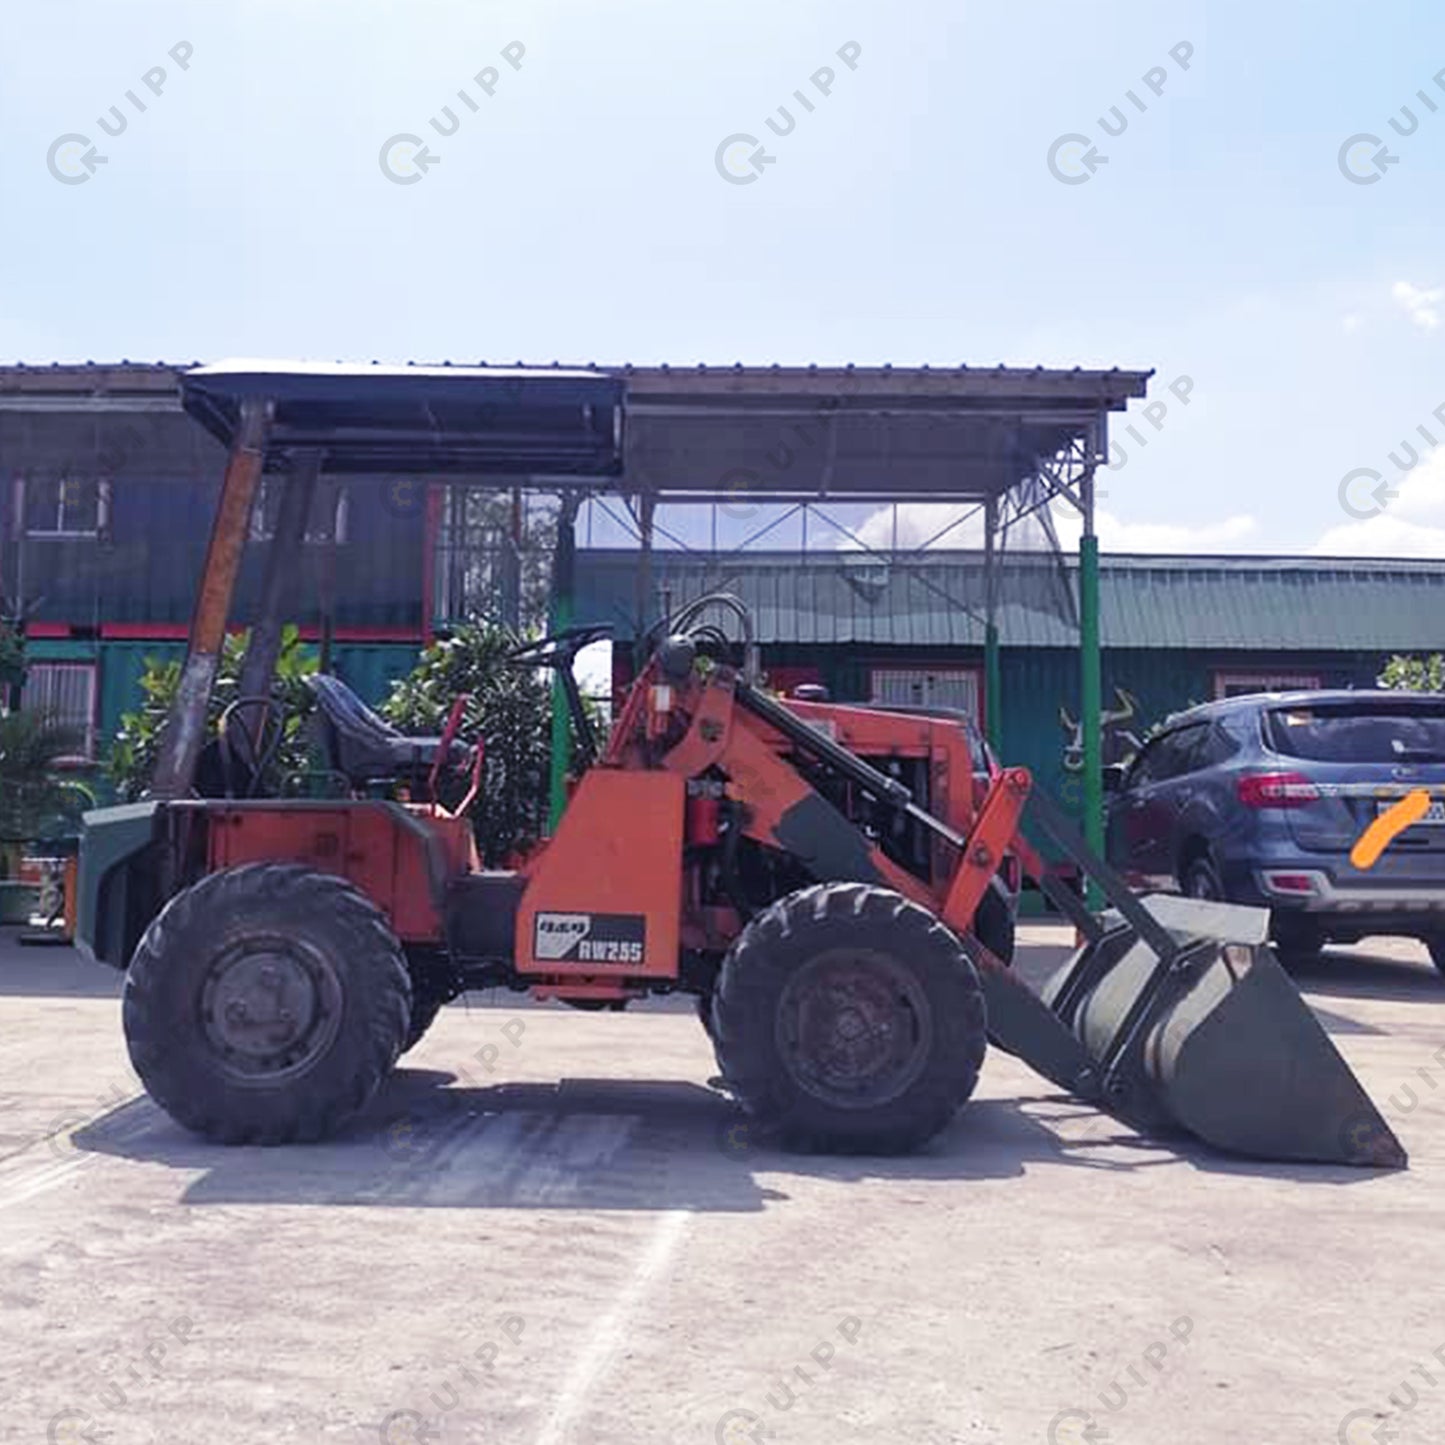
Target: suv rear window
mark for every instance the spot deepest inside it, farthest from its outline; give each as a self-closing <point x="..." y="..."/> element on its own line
<point x="1358" y="733"/>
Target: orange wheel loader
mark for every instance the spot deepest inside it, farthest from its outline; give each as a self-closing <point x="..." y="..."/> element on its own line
<point x="822" y="879"/>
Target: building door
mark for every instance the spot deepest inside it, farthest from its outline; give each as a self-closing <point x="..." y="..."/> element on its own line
<point x="957" y="688"/>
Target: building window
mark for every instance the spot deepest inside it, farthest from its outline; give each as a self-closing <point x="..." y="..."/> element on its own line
<point x="494" y="556"/>
<point x="1236" y="684"/>
<point x="927" y="687"/>
<point x="267" y="507"/>
<point x="66" y="506"/>
<point x="64" y="691"/>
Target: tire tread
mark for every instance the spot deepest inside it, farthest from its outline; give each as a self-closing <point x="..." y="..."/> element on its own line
<point x="374" y="976"/>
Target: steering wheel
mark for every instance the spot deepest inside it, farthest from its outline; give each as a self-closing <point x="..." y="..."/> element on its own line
<point x="257" y="747"/>
<point x="550" y="650"/>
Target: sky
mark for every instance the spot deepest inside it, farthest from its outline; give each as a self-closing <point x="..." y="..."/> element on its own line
<point x="1248" y="222"/>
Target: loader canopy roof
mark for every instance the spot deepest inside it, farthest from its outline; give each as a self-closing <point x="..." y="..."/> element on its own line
<point x="421" y="419"/>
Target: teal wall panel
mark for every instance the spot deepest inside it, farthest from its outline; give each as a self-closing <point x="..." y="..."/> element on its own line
<point x="60" y="649"/>
<point x="1141" y="687"/>
<point x="121" y="667"/>
<point x="369" y="668"/>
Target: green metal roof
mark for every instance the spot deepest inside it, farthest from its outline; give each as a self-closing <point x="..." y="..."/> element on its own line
<point x="1247" y="603"/>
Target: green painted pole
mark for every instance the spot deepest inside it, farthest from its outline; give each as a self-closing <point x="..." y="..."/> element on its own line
<point x="992" y="688"/>
<point x="992" y="691"/>
<point x="1089" y="701"/>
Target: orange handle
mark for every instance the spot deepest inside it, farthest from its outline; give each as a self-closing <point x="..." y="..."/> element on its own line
<point x="449" y="736"/>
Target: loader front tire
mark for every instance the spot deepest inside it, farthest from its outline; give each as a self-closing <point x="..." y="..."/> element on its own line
<point x="849" y="1020"/>
<point x="266" y="1004"/>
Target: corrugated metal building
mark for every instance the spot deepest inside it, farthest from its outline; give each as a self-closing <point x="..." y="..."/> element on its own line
<point x="107" y="490"/>
<point x="1176" y="630"/>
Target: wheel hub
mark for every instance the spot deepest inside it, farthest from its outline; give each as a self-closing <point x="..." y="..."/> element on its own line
<point x="269" y="1007"/>
<point x="853" y="1028"/>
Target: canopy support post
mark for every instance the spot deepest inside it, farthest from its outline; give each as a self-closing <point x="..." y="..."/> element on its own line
<point x="185" y="728"/>
<point x="258" y="669"/>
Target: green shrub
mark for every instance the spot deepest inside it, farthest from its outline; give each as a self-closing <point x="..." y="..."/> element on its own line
<point x="1414" y="674"/>
<point x="36" y="802"/>
<point x="510" y="708"/>
<point x="132" y="755"/>
<point x="12" y="659"/>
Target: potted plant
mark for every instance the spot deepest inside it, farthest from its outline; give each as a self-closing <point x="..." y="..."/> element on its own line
<point x="35" y="802"/>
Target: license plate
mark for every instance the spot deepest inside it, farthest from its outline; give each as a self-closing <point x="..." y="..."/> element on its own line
<point x="1435" y="813"/>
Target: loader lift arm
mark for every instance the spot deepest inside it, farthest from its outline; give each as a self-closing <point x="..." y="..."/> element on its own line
<point x="1171" y="1014"/>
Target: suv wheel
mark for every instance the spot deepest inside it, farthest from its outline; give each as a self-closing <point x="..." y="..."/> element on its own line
<point x="1200" y="880"/>
<point x="1294" y="939"/>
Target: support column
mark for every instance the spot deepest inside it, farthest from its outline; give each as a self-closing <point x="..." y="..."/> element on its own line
<point x="11" y="701"/>
<point x="512" y="565"/>
<point x="1090" y="691"/>
<point x="431" y="543"/>
<point x="185" y="730"/>
<point x="284" y="551"/>
<point x="646" y="505"/>
<point x="329" y="490"/>
<point x="563" y="578"/>
<point x="992" y="673"/>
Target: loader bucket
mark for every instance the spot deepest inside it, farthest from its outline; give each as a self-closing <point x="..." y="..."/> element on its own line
<point x="1214" y="1040"/>
<point x="1174" y="1014"/>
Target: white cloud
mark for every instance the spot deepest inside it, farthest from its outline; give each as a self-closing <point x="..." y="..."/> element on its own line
<point x="593" y="669"/>
<point x="1411" y="524"/>
<point x="1382" y="536"/>
<point x="1351" y="323"/>
<point x="918" y="522"/>
<point x="1422" y="306"/>
<point x="1117" y="535"/>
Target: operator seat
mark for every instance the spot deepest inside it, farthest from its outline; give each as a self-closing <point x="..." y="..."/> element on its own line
<point x="364" y="747"/>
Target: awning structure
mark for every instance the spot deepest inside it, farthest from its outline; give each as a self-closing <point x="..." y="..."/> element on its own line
<point x="874" y="434"/>
<point x="1000" y="443"/>
<point x="420" y="421"/>
<point x="1007" y="442"/>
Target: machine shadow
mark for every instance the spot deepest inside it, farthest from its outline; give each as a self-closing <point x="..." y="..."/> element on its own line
<point x="1357" y="973"/>
<point x="603" y="1144"/>
<point x="51" y="971"/>
<point x="1087" y="1129"/>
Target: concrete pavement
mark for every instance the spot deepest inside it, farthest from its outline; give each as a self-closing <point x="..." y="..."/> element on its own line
<point x="582" y="1244"/>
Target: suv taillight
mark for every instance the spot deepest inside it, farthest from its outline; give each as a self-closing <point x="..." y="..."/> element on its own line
<point x="1276" y="790"/>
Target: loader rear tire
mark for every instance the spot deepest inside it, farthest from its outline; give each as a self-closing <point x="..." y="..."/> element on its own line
<point x="424" y="1010"/>
<point x="266" y="1004"/>
<point x="849" y="1020"/>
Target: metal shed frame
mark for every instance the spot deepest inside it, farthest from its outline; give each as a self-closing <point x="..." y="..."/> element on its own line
<point x="1004" y="441"/>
